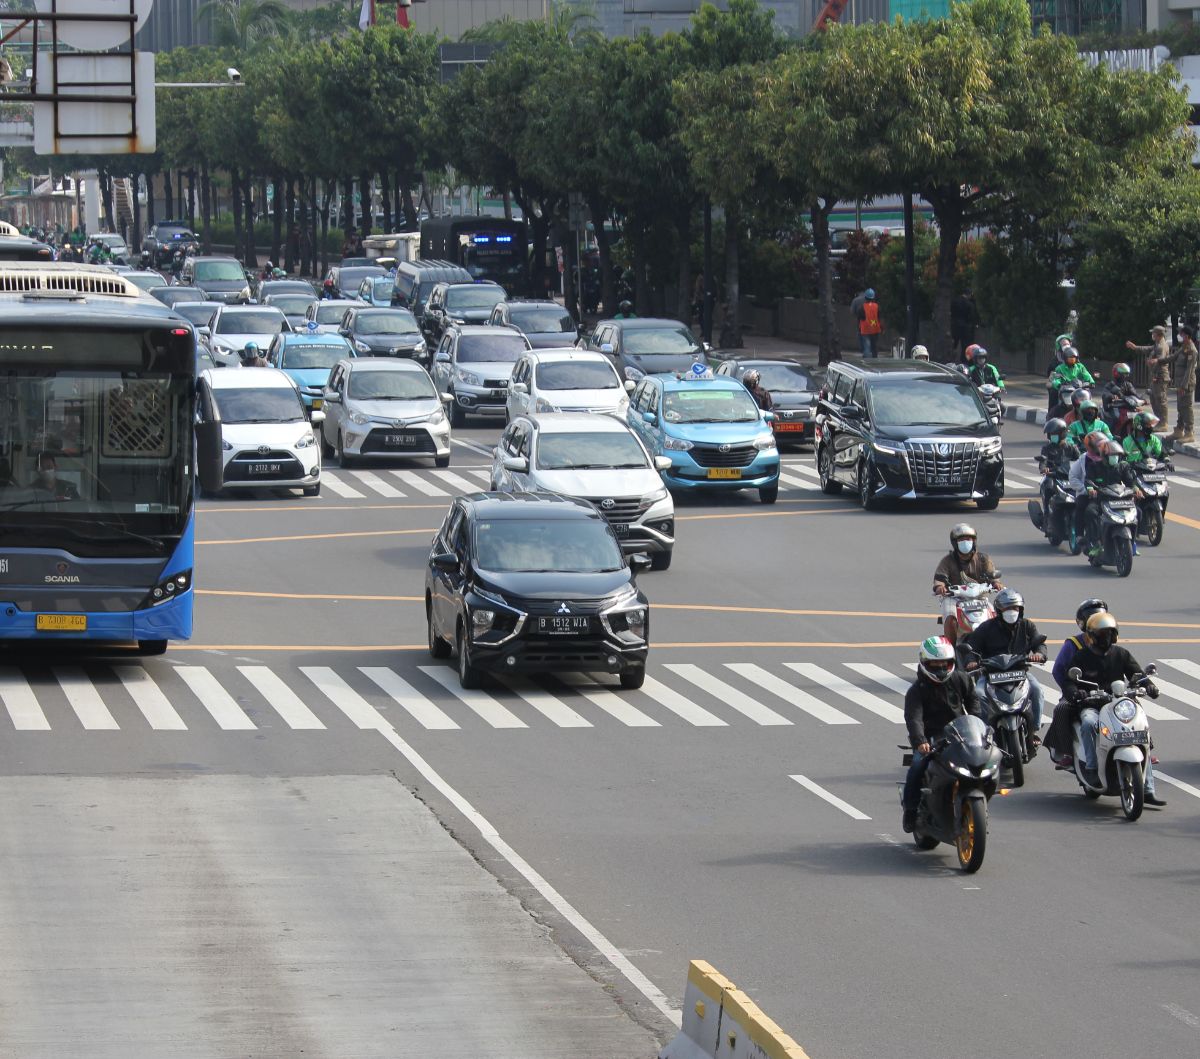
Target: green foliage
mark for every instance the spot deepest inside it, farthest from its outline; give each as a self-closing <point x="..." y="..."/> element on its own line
<point x="243" y="23"/>
<point x="1017" y="292"/>
<point x="886" y="275"/>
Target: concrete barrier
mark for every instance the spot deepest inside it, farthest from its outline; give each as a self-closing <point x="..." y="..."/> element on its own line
<point x="721" y="1022"/>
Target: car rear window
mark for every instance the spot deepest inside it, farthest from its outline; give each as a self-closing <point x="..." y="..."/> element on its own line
<point x="503" y="349"/>
<point x="644" y="341"/>
<point x="577" y="375"/>
<point x="251" y="322"/>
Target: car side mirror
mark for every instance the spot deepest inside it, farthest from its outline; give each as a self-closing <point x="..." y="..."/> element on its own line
<point x="630" y="386"/>
<point x="516" y="463"/>
<point x="768" y="417"/>
<point x="317" y="417"/>
<point x="638" y="563"/>
<point x="1074" y="672"/>
<point x="706" y="346"/>
<point x="446" y="561"/>
<point x="447" y="398"/>
<point x="203" y="330"/>
<point x="518" y="387"/>
<point x="662" y="463"/>
<point x="608" y="348"/>
<point x="333" y="397"/>
<point x="443" y="357"/>
<point x="649" y="417"/>
<point x="851" y="411"/>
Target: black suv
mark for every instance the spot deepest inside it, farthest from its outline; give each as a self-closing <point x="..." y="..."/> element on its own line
<point x="534" y="583"/>
<point x="165" y="238"/>
<point x="903" y="429"/>
<point x="460" y="303"/>
<point x="383" y="333"/>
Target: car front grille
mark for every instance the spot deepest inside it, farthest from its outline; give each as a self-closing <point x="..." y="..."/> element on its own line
<point x="575" y="607"/>
<point x="376" y="441"/>
<point x="942" y="463"/>
<point x="582" y="653"/>
<point x="239" y="468"/>
<point x="495" y="384"/>
<point x="732" y="456"/>
<point x="623" y="510"/>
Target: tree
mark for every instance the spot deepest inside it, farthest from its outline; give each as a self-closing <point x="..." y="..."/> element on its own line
<point x="243" y="23"/>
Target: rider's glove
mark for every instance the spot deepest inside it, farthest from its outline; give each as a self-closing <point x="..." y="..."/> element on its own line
<point x="1152" y="690"/>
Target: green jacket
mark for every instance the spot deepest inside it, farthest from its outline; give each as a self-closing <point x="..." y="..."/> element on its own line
<point x="1079" y="430"/>
<point x="1079" y="373"/>
<point x="1136" y="451"/>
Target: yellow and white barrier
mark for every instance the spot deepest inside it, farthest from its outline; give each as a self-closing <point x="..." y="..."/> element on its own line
<point x="722" y="1022"/>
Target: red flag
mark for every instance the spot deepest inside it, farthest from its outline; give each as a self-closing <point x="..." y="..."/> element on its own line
<point x="402" y="15"/>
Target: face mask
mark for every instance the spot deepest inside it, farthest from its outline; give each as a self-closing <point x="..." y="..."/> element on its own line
<point x="1010" y="616"/>
<point x="964" y="547"/>
<point x="1089" y="416"/>
<point x="1055" y="439"/>
<point x="1114" y="460"/>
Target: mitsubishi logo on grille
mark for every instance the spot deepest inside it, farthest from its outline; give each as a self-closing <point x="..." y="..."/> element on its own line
<point x="608" y="504"/>
<point x="263" y="449"/>
<point x="563" y="609"/>
<point x="943" y="450"/>
<point x="723" y="448"/>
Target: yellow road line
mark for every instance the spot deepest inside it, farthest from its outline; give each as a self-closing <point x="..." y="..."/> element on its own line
<point x="308" y="595"/>
<point x="1183" y="520"/>
<point x="318" y="508"/>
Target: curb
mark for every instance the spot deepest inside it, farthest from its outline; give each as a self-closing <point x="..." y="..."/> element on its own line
<point x="1025" y="414"/>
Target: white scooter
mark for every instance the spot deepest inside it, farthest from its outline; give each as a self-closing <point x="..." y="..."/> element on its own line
<point x="966" y="607"/>
<point x="1122" y="741"/>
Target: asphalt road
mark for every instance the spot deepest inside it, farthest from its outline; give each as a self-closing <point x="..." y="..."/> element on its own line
<point x="741" y="808"/>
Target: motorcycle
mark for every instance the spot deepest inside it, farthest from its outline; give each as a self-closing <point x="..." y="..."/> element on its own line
<point x="993" y="401"/>
<point x="963" y="770"/>
<point x="1122" y="741"/>
<point x="1151" y="478"/>
<point x="1119" y="413"/>
<point x="1062" y="407"/>
<point x="1111" y="524"/>
<point x="1006" y="679"/>
<point x="1054" y="513"/>
<point x="966" y="607"/>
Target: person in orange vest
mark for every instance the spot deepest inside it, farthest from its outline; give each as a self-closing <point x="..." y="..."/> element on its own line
<point x="870" y="325"/>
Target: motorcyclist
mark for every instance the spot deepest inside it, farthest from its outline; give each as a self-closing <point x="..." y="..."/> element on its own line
<point x="328" y="293"/>
<point x="920" y="353"/>
<point x="1088" y="421"/>
<point x="1119" y="386"/>
<point x="1009" y="633"/>
<point x="1101" y="662"/>
<point x="933" y="700"/>
<point x="983" y="373"/>
<point x="278" y="273"/>
<point x="144" y="260"/>
<point x="1141" y="443"/>
<point x="965" y="564"/>
<point x="268" y="270"/>
<point x="1070" y="370"/>
<point x="752" y="380"/>
<point x="1102" y="464"/>
<point x="625" y="311"/>
<point x="1055" y="457"/>
<point x="1061" y="344"/>
<point x="252" y="357"/>
<point x="1072" y="644"/>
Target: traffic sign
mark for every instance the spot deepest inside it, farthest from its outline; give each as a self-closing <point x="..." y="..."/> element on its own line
<point x="95" y="36"/>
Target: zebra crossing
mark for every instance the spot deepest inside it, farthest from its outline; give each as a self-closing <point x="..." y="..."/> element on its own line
<point x="167" y="697"/>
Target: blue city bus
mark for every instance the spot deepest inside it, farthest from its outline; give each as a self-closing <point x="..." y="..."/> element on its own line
<point x="97" y="397"/>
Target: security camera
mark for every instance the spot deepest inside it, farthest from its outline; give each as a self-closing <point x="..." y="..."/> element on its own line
<point x="233" y="75"/>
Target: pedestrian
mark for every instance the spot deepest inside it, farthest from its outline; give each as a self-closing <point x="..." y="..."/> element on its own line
<point x="870" y="325"/>
<point x="856" y="305"/>
<point x="1072" y="325"/>
<point x="964" y="318"/>
<point x="1183" y="364"/>
<point x="1158" y="355"/>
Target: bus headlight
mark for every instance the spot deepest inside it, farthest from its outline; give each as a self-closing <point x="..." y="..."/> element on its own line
<point x="167" y="589"/>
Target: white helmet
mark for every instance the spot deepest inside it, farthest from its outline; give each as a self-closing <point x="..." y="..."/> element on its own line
<point x="935" y="659"/>
<point x="920" y="353"/>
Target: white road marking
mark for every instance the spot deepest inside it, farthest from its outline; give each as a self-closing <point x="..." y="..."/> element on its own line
<point x="564" y="908"/>
<point x="481" y="702"/>
<point x="411" y="478"/>
<point x="612" y="704"/>
<point x="85" y="699"/>
<point x="840" y="686"/>
<point x="1187" y="788"/>
<point x="881" y="676"/>
<point x="484" y="476"/>
<point x="681" y="705"/>
<point x="798" y="483"/>
<point x="214" y="698"/>
<point x="790" y="693"/>
<point x="1184" y="1016"/>
<point x="474" y="447"/>
<point x="330" y="481"/>
<point x="804" y="469"/>
<point x="1187" y="483"/>
<point x="21" y="703"/>
<point x="550" y="706"/>
<point x="1188" y="668"/>
<point x="1157" y="712"/>
<point x="344" y="697"/>
<point x="728" y="694"/>
<point x="281" y="698"/>
<point x="832" y="799"/>
<point x="373" y="481"/>
<point x="455" y="482"/>
<point x="149" y="699"/>
<point x="405" y="695"/>
<point x="1021" y="476"/>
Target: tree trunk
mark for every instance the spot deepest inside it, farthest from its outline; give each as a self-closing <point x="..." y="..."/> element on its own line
<point x="410" y="208"/>
<point x="947" y="211"/>
<point x="539" y="230"/>
<point x="168" y="196"/>
<point x="366" y="208"/>
<point x="306" y="267"/>
<point x="731" y="324"/>
<point x="251" y="258"/>
<point x="191" y="198"/>
<point x="683" y="296"/>
<point x="325" y="227"/>
<point x="347" y="205"/>
<point x="385" y="196"/>
<point x="206" y="196"/>
<point x="598" y="208"/>
<point x="829" y="347"/>
<point x="277" y="218"/>
<point x="570" y="294"/>
<point x="235" y="185"/>
<point x="136" y="237"/>
<point x="179" y="190"/>
<point x="291" y="247"/>
<point x="507" y="206"/>
<point x="150" y="222"/>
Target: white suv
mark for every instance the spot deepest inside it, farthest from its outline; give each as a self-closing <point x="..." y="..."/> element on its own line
<point x="566" y="380"/>
<point x="596" y="458"/>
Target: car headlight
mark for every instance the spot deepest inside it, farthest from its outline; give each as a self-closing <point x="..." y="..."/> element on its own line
<point x="656" y="496"/>
<point x="678" y="444"/>
<point x="361" y="347"/>
<point x="482" y="621"/>
<point x="1125" y="711"/>
<point x="634" y="374"/>
<point x="990" y="446"/>
<point x="766" y="441"/>
<point x="306" y="441"/>
<point x="436" y="418"/>
<point x="420" y="348"/>
<point x="458" y="320"/>
<point x="542" y="405"/>
<point x="359" y="418"/>
<point x="469" y="377"/>
<point x="887" y="450"/>
<point x="226" y="446"/>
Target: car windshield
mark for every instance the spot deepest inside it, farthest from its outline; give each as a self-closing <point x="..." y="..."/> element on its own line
<point x="330" y="312"/>
<point x="485" y="296"/>
<point x="171" y="295"/>
<point x="259" y="405"/>
<point x="251" y="322"/>
<point x="219" y="271"/>
<point x="398" y="322"/>
<point x="709" y="406"/>
<point x="381" y="289"/>
<point x="350" y="278"/>
<point x="930" y="402"/>
<point x="649" y="340"/>
<point x="195" y="312"/>
<point x="390" y="386"/>
<point x="309" y="355"/>
<point x="550" y="320"/>
<point x="170" y="232"/>
<point x="546" y="546"/>
<point x="793" y="377"/>
<point x="577" y="375"/>
<point x="292" y="304"/>
<point x="503" y="349"/>
<point x="145" y="280"/>
<point x="589" y="450"/>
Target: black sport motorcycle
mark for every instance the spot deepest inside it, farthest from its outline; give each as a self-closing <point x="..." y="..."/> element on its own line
<point x="1054" y="513"/>
<point x="964" y="765"/>
<point x="1007" y="698"/>
<point x="1151" y="477"/>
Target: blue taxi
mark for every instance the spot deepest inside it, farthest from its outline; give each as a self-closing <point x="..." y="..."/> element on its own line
<point x="711" y="429"/>
<point x="308" y="357"/>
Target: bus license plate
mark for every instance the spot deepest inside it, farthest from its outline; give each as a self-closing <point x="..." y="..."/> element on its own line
<point x="564" y="625"/>
<point x="265" y="468"/>
<point x="61" y="623"/>
<point x="398" y="441"/>
<point x="724" y="472"/>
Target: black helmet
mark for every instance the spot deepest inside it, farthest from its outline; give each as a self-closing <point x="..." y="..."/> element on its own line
<point x="625" y="307"/>
<point x="1055" y="429"/>
<point x="1086" y="609"/>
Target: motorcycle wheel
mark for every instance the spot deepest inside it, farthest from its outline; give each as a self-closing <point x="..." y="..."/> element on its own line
<point x="972" y="835"/>
<point x="1015" y="754"/>
<point x="1123" y="552"/>
<point x="1154" y="527"/>
<point x="1133" y="789"/>
<point x="924" y="842"/>
<point x="1076" y="545"/>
